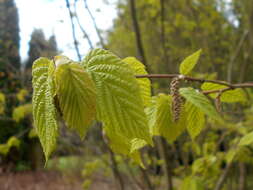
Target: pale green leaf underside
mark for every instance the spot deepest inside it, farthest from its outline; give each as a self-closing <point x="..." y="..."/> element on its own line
<point x="120" y="145"/>
<point x="201" y="101"/>
<point x="231" y="154"/>
<point x="144" y="83"/>
<point x="246" y="140"/>
<point x="189" y="63"/>
<point x="192" y="183"/>
<point x="44" y="111"/>
<point x="195" y="120"/>
<point x="77" y="96"/>
<point x="164" y="124"/>
<point x="230" y="96"/>
<point x="119" y="103"/>
<point x="151" y="112"/>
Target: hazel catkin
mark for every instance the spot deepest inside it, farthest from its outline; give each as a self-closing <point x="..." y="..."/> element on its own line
<point x="176" y="99"/>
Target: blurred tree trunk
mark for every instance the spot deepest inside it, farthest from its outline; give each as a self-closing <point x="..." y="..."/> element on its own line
<point x="115" y="169"/>
<point x="163" y="37"/>
<point x="36" y="154"/>
<point x="247" y="60"/>
<point x="137" y="31"/>
<point x="164" y="153"/>
<point x="242" y="176"/>
<point x="9" y="36"/>
<point x="114" y="165"/>
<point x="223" y="176"/>
<point x="146" y="179"/>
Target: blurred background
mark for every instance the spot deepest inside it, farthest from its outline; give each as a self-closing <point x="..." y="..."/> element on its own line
<point x="160" y="33"/>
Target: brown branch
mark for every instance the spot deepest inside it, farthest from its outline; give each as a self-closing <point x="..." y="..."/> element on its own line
<point x="229" y="86"/>
<point x="187" y="78"/>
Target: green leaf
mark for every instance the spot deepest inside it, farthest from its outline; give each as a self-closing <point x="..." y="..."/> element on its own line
<point x="201" y="101"/>
<point x="76" y="93"/>
<point x="246" y="140"/>
<point x="192" y="183"/>
<point x="164" y="124"/>
<point x="212" y="86"/>
<point x="21" y="112"/>
<point x="144" y="83"/>
<point x="230" y="96"/>
<point x="189" y="63"/>
<point x="151" y="112"/>
<point x="44" y="111"/>
<point x="119" y="103"/>
<point x="32" y="133"/>
<point x="2" y="98"/>
<point x="236" y="95"/>
<point x="230" y="155"/>
<point x="121" y="145"/>
<point x="195" y="119"/>
<point x="13" y="142"/>
<point x="2" y="103"/>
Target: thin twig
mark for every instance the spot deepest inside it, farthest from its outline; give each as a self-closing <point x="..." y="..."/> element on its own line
<point x="85" y="34"/>
<point x="163" y="36"/>
<point x="73" y="31"/>
<point x="243" y="174"/>
<point x="223" y="177"/>
<point x="229" y="86"/>
<point x="101" y="40"/>
<point x="235" y="55"/>
<point x="137" y="32"/>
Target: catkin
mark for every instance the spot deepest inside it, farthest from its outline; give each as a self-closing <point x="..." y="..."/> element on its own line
<point x="176" y="99"/>
<point x="218" y="103"/>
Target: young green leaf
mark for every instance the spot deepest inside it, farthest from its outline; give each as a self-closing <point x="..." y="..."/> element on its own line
<point x="195" y="119"/>
<point x="151" y="112"/>
<point x="119" y="103"/>
<point x="44" y="111"/>
<point x="246" y="140"/>
<point x="21" y="112"/>
<point x="192" y="183"/>
<point x="77" y="96"/>
<point x="144" y="83"/>
<point x="2" y="103"/>
<point x="199" y="100"/>
<point x="189" y="63"/>
<point x="212" y="86"/>
<point x="164" y="124"/>
<point x="121" y="145"/>
<point x="230" y="96"/>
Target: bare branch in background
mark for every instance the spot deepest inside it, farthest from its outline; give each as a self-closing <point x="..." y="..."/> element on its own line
<point x="242" y="176"/>
<point x="235" y="55"/>
<point x="113" y="164"/>
<point x="146" y="179"/>
<point x="73" y="31"/>
<point x="167" y="163"/>
<point x="95" y="25"/>
<point x="86" y="36"/>
<point x="163" y="38"/>
<point x="223" y="177"/>
<point x="138" y="34"/>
